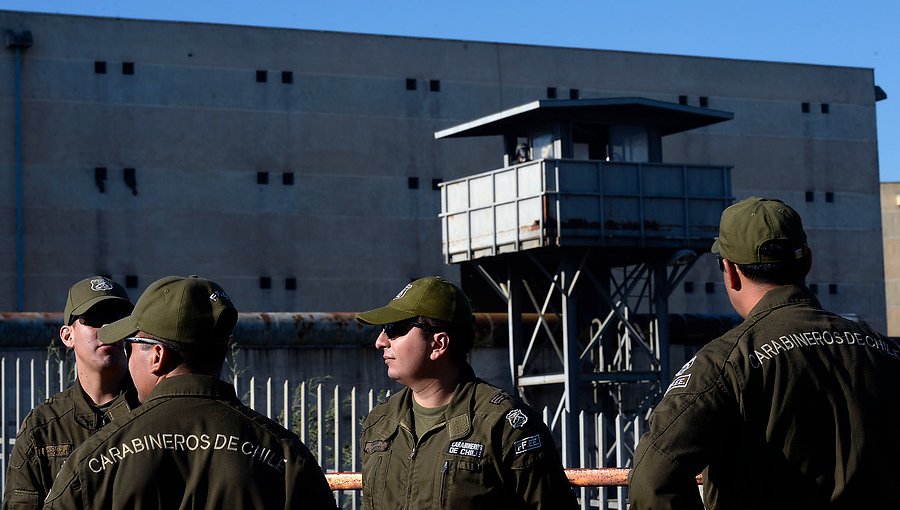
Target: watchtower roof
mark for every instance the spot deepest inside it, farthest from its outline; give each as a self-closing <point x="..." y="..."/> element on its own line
<point x="670" y="118"/>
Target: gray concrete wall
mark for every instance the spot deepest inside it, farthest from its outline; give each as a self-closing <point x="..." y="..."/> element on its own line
<point x="197" y="128"/>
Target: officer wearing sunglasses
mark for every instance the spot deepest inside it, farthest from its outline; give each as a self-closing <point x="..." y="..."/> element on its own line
<point x="102" y="392"/>
<point x="449" y="439"/>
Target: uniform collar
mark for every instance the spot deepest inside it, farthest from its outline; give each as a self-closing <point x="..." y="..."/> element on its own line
<point x="91" y="417"/>
<point x="462" y="406"/>
<point x="784" y="295"/>
<point x="458" y="413"/>
<point x="194" y="385"/>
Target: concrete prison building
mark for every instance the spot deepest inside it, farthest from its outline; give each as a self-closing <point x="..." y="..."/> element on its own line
<point x="300" y="170"/>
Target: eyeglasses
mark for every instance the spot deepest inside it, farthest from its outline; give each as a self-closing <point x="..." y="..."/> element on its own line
<point x="719" y="260"/>
<point x="394" y="329"/>
<point x="140" y="340"/>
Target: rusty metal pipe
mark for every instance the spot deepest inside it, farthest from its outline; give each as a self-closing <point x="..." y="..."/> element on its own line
<point x="262" y="329"/>
<point x="578" y="477"/>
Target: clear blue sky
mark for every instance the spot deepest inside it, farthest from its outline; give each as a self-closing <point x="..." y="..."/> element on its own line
<point x="831" y="32"/>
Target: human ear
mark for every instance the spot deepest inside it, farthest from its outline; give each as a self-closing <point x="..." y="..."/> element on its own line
<point x="159" y="359"/>
<point x="732" y="275"/>
<point x="66" y="335"/>
<point x="440" y="345"/>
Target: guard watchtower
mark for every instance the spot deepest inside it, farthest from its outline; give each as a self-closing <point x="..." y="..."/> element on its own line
<point x="585" y="226"/>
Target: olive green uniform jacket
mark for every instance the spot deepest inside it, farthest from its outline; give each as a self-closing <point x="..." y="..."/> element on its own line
<point x="489" y="451"/>
<point x="794" y="408"/>
<point x="50" y="432"/>
<point x="192" y="444"/>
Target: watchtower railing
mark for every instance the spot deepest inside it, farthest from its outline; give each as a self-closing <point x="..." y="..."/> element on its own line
<point x="563" y="202"/>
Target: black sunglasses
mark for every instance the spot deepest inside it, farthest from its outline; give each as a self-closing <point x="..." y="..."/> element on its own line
<point x="394" y="329"/>
<point x="719" y="260"/>
<point x="98" y="319"/>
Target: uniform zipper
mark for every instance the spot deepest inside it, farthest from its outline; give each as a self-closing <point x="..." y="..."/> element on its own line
<point x="444" y="471"/>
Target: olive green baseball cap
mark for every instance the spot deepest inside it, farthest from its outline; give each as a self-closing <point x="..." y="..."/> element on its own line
<point x="92" y="291"/>
<point x="749" y="224"/>
<point x="432" y="297"/>
<point x="188" y="311"/>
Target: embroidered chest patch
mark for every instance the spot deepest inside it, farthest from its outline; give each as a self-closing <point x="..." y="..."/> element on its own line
<point x="376" y="446"/>
<point x="466" y="449"/>
<point x="517" y="418"/>
<point x="528" y="444"/>
<point x="51" y="451"/>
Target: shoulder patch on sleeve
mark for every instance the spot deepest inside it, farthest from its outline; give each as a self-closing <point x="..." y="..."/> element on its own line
<point x="687" y="366"/>
<point x="528" y="444"/>
<point x="517" y="418"/>
<point x="679" y="382"/>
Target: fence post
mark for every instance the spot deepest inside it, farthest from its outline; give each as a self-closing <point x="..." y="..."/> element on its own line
<point x="336" y="407"/>
<point x="303" y="421"/>
<point x="620" y="456"/>
<point x="31" y="390"/>
<point x="353" y="441"/>
<point x="47" y="377"/>
<point x="253" y="392"/>
<point x="602" y="441"/>
<point x="3" y="417"/>
<point x="286" y="406"/>
<point x="269" y="398"/>
<point x="582" y="452"/>
<point x="18" y="391"/>
<point x="320" y="445"/>
<point x="567" y="462"/>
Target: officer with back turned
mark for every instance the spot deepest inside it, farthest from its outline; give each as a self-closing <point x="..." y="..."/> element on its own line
<point x="191" y="443"/>
<point x="794" y="408"/>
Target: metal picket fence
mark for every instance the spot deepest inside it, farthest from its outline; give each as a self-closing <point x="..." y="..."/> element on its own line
<point x="327" y="417"/>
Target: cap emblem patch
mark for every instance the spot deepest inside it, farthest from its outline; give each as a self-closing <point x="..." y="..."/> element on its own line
<point x="101" y="285"/>
<point x="404" y="291"/>
<point x="517" y="418"/>
<point x="215" y="296"/>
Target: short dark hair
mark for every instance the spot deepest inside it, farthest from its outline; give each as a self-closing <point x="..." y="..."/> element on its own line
<point x="205" y="360"/>
<point x="462" y="338"/>
<point x="791" y="272"/>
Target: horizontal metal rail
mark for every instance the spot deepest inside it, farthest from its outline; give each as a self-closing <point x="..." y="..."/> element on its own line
<point x="578" y="477"/>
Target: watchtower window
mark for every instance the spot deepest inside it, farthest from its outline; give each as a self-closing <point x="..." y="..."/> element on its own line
<point x="629" y="143"/>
